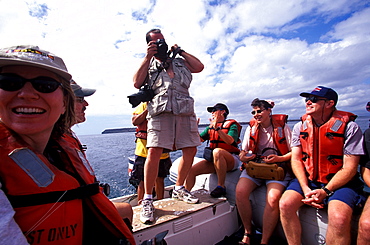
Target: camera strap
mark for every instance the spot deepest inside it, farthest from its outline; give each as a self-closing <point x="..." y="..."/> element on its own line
<point x="159" y="69"/>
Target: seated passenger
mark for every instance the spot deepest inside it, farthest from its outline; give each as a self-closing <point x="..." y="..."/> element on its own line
<point x="326" y="174"/>
<point x="44" y="175"/>
<point x="223" y="136"/>
<point x="124" y="209"/>
<point x="267" y="138"/>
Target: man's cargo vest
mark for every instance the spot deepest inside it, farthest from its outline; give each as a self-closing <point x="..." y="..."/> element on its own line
<point x="171" y="95"/>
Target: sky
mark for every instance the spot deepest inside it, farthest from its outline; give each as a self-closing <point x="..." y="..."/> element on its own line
<point x="267" y="49"/>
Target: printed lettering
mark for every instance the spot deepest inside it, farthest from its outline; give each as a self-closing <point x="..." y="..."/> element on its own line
<point x="39" y="235"/>
<point x="51" y="236"/>
<point x="73" y="228"/>
<point x="67" y="233"/>
<point x="29" y="50"/>
<point x="30" y="238"/>
<point x="60" y="233"/>
<point x="34" y="236"/>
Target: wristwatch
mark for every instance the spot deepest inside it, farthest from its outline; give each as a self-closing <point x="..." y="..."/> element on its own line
<point x="218" y="128"/>
<point x="328" y="193"/>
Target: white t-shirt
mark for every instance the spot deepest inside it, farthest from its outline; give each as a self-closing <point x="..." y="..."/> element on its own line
<point x="265" y="139"/>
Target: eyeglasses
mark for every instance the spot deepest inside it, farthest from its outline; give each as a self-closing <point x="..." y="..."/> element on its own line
<point x="80" y="99"/>
<point x="313" y="99"/>
<point x="12" y="82"/>
<point x="257" y="111"/>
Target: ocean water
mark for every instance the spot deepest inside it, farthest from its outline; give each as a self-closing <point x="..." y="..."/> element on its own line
<point x="108" y="154"/>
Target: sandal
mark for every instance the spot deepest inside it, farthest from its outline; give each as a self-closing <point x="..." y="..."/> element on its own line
<point x="244" y="243"/>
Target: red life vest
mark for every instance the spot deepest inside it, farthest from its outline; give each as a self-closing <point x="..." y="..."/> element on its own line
<point x="322" y="147"/>
<point x="141" y="130"/>
<point x="216" y="141"/>
<point x="48" y="202"/>
<point x="278" y="122"/>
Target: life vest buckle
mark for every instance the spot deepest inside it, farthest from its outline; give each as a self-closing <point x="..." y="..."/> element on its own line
<point x="106" y="188"/>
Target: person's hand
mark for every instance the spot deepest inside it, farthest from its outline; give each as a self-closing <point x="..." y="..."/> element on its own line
<point x="213" y="123"/>
<point x="174" y="47"/>
<point x="151" y="49"/>
<point x="244" y="158"/>
<point x="271" y="158"/>
<point x="315" y="198"/>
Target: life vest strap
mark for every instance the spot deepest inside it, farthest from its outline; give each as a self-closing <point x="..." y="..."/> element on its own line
<point x="221" y="141"/>
<point x="305" y="134"/>
<point x="282" y="140"/>
<point x="331" y="135"/>
<point x="332" y="158"/>
<point x="54" y="196"/>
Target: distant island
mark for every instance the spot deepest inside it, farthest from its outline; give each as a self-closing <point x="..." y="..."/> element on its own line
<point x="124" y="130"/>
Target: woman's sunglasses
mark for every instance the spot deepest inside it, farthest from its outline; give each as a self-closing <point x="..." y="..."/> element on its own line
<point x="12" y="82"/>
<point x="313" y="99"/>
<point x="257" y="112"/>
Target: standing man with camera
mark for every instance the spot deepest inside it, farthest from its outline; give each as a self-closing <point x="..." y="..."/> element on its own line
<point x="172" y="123"/>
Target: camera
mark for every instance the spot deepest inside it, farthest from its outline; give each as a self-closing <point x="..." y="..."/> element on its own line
<point x="145" y="93"/>
<point x="162" y="49"/>
<point x="160" y="42"/>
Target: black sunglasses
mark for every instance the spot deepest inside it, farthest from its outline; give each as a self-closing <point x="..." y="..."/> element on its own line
<point x="214" y="110"/>
<point x="12" y="82"/>
<point x="313" y="99"/>
<point x="257" y="112"/>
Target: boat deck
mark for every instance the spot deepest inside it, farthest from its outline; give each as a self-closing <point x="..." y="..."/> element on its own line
<point x="169" y="209"/>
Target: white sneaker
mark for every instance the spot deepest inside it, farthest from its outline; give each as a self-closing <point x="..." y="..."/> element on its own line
<point x="147" y="211"/>
<point x="184" y="195"/>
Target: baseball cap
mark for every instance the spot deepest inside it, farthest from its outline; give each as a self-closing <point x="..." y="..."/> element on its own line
<point x="324" y="92"/>
<point x="81" y="92"/>
<point x="218" y="106"/>
<point x="33" y="56"/>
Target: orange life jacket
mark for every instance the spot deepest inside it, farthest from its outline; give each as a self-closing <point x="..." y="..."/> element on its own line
<point x="278" y="122"/>
<point x="216" y="141"/>
<point x="322" y="147"/>
<point x="48" y="202"/>
<point x="141" y="130"/>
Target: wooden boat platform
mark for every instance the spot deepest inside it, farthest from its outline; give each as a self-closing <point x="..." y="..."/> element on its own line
<point x="169" y="209"/>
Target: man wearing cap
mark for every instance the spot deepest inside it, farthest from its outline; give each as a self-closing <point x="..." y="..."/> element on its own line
<point x="326" y="148"/>
<point x="80" y="102"/>
<point x="124" y="209"/>
<point x="223" y="136"/>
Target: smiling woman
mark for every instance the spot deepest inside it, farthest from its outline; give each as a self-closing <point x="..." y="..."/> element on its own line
<point x="28" y="111"/>
<point x="47" y="184"/>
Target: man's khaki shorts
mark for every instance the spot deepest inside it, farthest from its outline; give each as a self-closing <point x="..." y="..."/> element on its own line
<point x="173" y="132"/>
